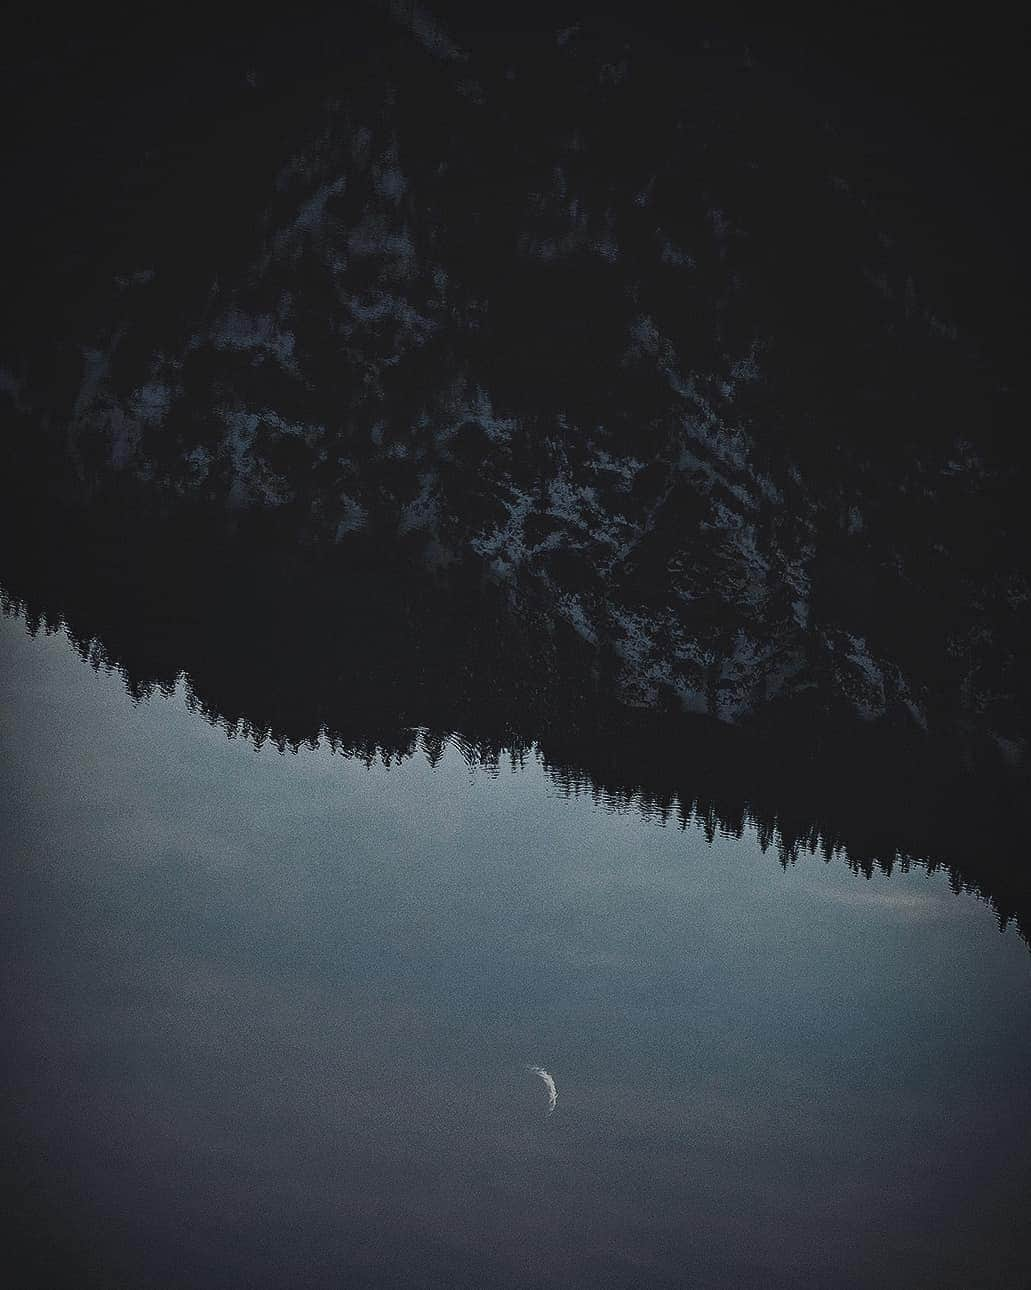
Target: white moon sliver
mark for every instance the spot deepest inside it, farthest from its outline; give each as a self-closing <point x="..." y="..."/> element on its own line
<point x="552" y="1091"/>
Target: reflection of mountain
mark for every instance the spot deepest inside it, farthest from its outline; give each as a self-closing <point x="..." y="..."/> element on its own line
<point x="635" y="369"/>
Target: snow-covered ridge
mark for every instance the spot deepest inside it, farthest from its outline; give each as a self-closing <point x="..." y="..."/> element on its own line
<point x="619" y="373"/>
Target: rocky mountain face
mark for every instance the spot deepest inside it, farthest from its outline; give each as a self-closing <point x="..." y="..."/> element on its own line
<point x="652" y="345"/>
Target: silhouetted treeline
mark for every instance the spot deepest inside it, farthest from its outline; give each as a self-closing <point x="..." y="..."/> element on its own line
<point x="361" y="648"/>
<point x="396" y="380"/>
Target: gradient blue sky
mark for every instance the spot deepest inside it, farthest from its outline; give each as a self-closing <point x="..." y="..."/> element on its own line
<point x="269" y="1018"/>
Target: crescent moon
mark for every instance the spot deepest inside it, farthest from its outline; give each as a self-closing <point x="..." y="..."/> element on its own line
<point x="549" y="1082"/>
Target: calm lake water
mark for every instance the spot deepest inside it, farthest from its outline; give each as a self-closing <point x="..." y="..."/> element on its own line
<point x="269" y="1016"/>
